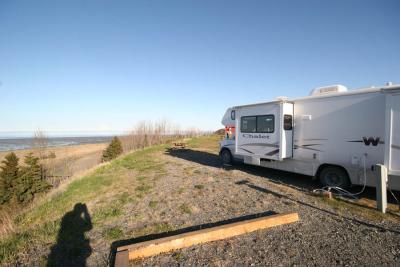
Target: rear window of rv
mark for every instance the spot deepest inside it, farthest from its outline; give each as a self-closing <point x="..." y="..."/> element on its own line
<point x="257" y="124"/>
<point x="265" y="124"/>
<point x="248" y="124"/>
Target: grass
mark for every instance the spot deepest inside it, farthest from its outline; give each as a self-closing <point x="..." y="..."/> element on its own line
<point x="185" y="208"/>
<point x="79" y="191"/>
<point x="181" y="190"/>
<point x="199" y="186"/>
<point x="153" y="204"/>
<point x="177" y="256"/>
<point x="154" y="228"/>
<point x="342" y="206"/>
<point x="144" y="188"/>
<point x="113" y="233"/>
<point x="40" y="225"/>
<point x="210" y="143"/>
<point x="105" y="213"/>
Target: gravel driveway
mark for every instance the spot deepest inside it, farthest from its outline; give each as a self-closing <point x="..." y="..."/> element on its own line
<point x="328" y="233"/>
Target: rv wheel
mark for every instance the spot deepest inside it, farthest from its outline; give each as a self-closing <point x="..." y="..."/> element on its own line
<point x="226" y="156"/>
<point x="334" y="176"/>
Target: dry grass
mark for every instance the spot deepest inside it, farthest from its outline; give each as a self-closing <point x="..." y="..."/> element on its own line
<point x="68" y="161"/>
<point x="62" y="152"/>
<point x="6" y="222"/>
<point x="146" y="134"/>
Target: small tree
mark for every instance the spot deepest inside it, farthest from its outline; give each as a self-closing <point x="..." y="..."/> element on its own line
<point x="8" y="176"/>
<point x="31" y="181"/>
<point x="113" y="150"/>
<point x="40" y="143"/>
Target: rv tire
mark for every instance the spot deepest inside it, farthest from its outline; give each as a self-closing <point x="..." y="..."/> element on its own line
<point x="334" y="176"/>
<point x="226" y="157"/>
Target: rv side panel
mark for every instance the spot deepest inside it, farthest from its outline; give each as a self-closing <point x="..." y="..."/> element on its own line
<point x="347" y="131"/>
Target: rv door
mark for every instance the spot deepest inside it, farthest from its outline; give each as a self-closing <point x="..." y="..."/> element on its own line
<point x="286" y="131"/>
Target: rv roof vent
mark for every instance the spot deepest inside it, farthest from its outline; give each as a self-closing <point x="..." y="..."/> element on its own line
<point x="328" y="90"/>
<point x="282" y="98"/>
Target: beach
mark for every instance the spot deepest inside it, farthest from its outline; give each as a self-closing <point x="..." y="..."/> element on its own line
<point x="69" y="160"/>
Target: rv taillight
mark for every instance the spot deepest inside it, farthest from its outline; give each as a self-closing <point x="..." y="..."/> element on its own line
<point x="230" y="132"/>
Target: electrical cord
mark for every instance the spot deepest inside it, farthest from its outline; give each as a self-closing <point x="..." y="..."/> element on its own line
<point x="398" y="202"/>
<point x="342" y="192"/>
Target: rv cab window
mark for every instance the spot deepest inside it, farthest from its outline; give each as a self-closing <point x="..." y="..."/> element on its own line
<point x="265" y="124"/>
<point x="248" y="124"/>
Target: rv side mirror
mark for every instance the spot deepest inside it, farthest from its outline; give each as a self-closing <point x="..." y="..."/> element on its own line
<point x="233" y="115"/>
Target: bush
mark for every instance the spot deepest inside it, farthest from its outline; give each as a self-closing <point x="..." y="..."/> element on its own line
<point x="31" y="180"/>
<point x="113" y="150"/>
<point x="220" y="132"/>
<point x="21" y="184"/>
<point x="8" y="176"/>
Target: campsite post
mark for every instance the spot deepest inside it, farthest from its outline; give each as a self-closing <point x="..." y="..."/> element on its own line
<point x="381" y="184"/>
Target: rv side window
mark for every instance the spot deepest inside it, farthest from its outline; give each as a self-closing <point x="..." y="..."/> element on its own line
<point x="248" y="124"/>
<point x="265" y="124"/>
<point x="287" y="122"/>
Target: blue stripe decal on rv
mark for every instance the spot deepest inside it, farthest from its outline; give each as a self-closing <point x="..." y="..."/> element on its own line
<point x="247" y="150"/>
<point x="273" y="152"/>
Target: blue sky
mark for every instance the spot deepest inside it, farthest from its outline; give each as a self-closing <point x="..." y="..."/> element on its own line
<point x="74" y="66"/>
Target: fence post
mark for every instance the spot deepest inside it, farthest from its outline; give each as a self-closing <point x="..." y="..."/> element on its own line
<point x="381" y="187"/>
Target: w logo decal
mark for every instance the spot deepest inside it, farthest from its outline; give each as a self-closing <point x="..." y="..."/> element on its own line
<point x="371" y="140"/>
<point x="368" y="141"/>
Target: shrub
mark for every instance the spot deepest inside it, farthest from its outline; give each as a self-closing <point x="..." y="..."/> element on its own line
<point x="113" y="150"/>
<point x="31" y="180"/>
<point x="8" y="175"/>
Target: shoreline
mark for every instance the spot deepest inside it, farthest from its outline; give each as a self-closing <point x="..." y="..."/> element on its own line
<point x="69" y="159"/>
<point x="16" y="144"/>
<point x="73" y="148"/>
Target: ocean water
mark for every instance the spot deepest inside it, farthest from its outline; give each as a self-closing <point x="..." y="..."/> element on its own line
<point x="8" y="144"/>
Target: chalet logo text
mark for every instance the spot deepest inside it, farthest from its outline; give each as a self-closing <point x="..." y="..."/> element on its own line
<point x="258" y="136"/>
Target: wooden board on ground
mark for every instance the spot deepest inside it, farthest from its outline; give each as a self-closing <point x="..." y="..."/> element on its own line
<point x="157" y="246"/>
<point x="122" y="258"/>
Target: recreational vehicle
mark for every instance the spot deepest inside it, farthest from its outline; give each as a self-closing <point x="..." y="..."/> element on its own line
<point x="333" y="134"/>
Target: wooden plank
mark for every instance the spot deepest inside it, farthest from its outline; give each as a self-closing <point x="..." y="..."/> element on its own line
<point x="157" y="246"/>
<point x="122" y="259"/>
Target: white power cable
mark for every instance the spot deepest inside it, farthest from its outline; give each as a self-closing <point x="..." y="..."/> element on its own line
<point x="398" y="202"/>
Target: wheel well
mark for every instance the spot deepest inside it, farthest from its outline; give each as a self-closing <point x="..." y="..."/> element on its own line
<point x="322" y="166"/>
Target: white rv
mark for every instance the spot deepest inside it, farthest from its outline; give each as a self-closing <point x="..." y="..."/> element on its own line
<point x="333" y="134"/>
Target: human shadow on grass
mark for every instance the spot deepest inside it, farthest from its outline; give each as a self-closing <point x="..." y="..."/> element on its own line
<point x="72" y="247"/>
<point x="116" y="244"/>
